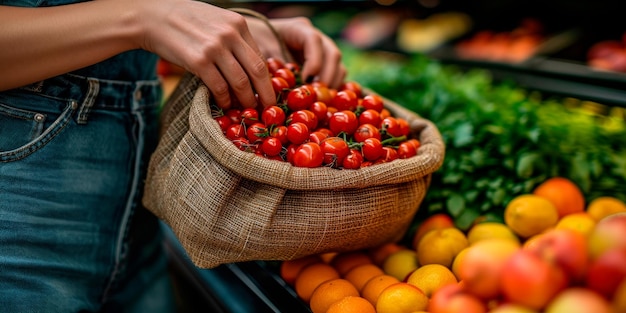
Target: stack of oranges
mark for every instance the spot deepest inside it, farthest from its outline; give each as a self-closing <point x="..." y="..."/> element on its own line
<point x="553" y="253"/>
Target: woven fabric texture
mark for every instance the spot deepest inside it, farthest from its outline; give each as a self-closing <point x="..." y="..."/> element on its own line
<point x="226" y="205"/>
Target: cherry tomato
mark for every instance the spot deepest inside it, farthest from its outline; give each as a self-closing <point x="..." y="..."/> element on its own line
<point x="416" y="143"/>
<point x="287" y="75"/>
<point x="274" y="64"/>
<point x="224" y="122"/>
<point x="308" y="154"/>
<point x="297" y="132"/>
<point x="326" y="131"/>
<point x="271" y="146"/>
<point x="234" y="115"/>
<point x="249" y="116"/>
<point x="323" y="92"/>
<point x="354" y="87"/>
<point x="317" y="136"/>
<point x="303" y="116"/>
<point x="235" y="131"/>
<point x="280" y="132"/>
<point x="373" y="102"/>
<point x="291" y="150"/>
<point x="242" y="144"/>
<point x="390" y="126"/>
<point x="404" y="126"/>
<point x="365" y="131"/>
<point x="372" y="149"/>
<point x="319" y="109"/>
<point x="300" y="98"/>
<point x="256" y="132"/>
<point x="343" y="121"/>
<point x="334" y="150"/>
<point x="293" y="67"/>
<point x="273" y="116"/>
<point x="345" y="100"/>
<point x="370" y="116"/>
<point x="353" y="160"/>
<point x="406" y="150"/>
<point x="280" y="86"/>
<point x="389" y="154"/>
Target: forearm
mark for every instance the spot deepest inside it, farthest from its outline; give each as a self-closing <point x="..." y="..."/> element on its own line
<point x="38" y="43"/>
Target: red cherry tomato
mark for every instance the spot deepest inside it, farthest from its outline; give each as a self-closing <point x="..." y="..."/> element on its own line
<point x="297" y="132"/>
<point x="319" y="109"/>
<point x="235" y="131"/>
<point x="304" y="116"/>
<point x="243" y="144"/>
<point x="317" y="136"/>
<point x="391" y="127"/>
<point x="300" y="98"/>
<point x="365" y="131"/>
<point x="323" y="92"/>
<point x="274" y="64"/>
<point x="343" y="121"/>
<point x="256" y="132"/>
<point x="335" y="150"/>
<point x="354" y="87"/>
<point x="273" y="116"/>
<point x="373" y="102"/>
<point x="345" y="100"/>
<point x="224" y="122"/>
<point x="406" y="150"/>
<point x="291" y="150"/>
<point x="271" y="146"/>
<point x="249" y="116"/>
<point x="234" y="115"/>
<point x="389" y="154"/>
<point x="370" y="116"/>
<point x="353" y="160"/>
<point x="372" y="149"/>
<point x="287" y="75"/>
<point x="308" y="154"/>
<point x="280" y="86"/>
<point x="280" y="132"/>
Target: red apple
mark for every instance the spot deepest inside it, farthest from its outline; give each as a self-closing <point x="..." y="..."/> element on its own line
<point x="609" y="233"/>
<point x="607" y="271"/>
<point x="578" y="300"/>
<point x="452" y="299"/>
<point x="565" y="248"/>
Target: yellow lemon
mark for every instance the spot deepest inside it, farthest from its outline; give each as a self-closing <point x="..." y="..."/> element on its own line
<point x="581" y="222"/>
<point x="430" y="277"/>
<point x="528" y="215"/>
<point x="490" y="230"/>
<point x="440" y="246"/>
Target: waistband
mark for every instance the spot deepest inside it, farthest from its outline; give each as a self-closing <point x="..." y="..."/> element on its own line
<point x="103" y="93"/>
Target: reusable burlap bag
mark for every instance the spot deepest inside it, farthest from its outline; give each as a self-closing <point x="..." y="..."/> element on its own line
<point x="226" y="205"/>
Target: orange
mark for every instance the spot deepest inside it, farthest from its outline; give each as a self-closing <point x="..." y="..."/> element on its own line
<point x="604" y="206"/>
<point x="351" y="305"/>
<point x="290" y="269"/>
<point x="400" y="263"/>
<point x="359" y="275"/>
<point x="458" y="260"/>
<point x="431" y="277"/>
<point x="328" y="256"/>
<point x="379" y="254"/>
<point x="344" y="262"/>
<point x="529" y="215"/>
<point x="435" y="221"/>
<point x="330" y="292"/>
<point x="581" y="222"/>
<point x="440" y="246"/>
<point x="490" y="230"/>
<point x="563" y="193"/>
<point x="373" y="287"/>
<point x="401" y="298"/>
<point x="312" y="276"/>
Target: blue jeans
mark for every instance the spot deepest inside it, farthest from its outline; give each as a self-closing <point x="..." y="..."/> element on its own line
<point x="73" y="235"/>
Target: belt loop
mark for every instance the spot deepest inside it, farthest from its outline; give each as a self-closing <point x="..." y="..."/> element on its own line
<point x="94" y="88"/>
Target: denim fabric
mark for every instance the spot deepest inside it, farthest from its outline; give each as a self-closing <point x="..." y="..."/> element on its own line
<point x="73" y="236"/>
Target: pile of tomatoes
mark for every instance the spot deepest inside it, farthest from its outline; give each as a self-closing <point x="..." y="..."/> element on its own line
<point x="313" y="125"/>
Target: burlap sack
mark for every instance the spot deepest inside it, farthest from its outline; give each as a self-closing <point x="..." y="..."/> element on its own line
<point x="226" y="205"/>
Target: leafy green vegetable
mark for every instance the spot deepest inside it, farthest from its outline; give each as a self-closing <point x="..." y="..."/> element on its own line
<point x="501" y="140"/>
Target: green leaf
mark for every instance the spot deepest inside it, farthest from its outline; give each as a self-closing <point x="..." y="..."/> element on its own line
<point x="455" y="204"/>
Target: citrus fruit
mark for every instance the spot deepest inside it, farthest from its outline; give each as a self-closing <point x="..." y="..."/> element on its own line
<point x="373" y="287"/>
<point x="440" y="246"/>
<point x="581" y="222"/>
<point x="601" y="207"/>
<point x="379" y="254"/>
<point x="351" y="304"/>
<point x="344" y="262"/>
<point x="401" y="298"/>
<point x="512" y="308"/>
<point x="359" y="275"/>
<point x="563" y="193"/>
<point x="330" y="292"/>
<point x="400" y="263"/>
<point x="528" y="215"/>
<point x="435" y="221"/>
<point x="490" y="230"/>
<point x="312" y="276"/>
<point x="431" y="277"/>
<point x="290" y="269"/>
<point x="458" y="260"/>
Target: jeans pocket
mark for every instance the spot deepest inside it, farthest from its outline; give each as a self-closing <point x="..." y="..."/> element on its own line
<point x="23" y="131"/>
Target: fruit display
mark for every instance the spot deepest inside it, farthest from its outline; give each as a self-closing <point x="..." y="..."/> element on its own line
<point x="313" y="125"/>
<point x="537" y="260"/>
<point x="608" y="55"/>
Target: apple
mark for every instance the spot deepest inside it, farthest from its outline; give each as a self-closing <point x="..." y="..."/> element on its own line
<point x="565" y="248"/>
<point x="435" y="221"/>
<point x="578" y="300"/>
<point x="607" y="272"/>
<point x="454" y="298"/>
<point x="609" y="233"/>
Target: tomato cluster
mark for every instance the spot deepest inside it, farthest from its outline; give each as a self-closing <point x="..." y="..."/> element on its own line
<point x="313" y="125"/>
